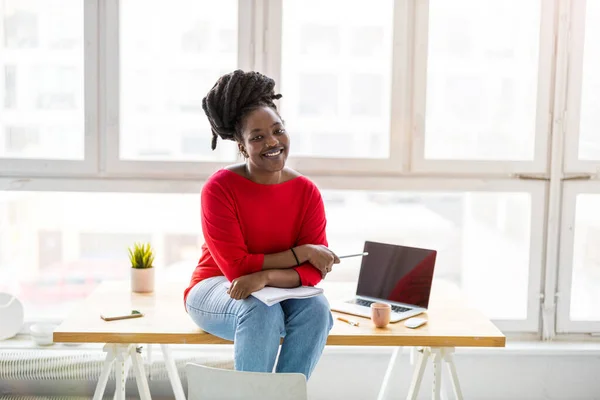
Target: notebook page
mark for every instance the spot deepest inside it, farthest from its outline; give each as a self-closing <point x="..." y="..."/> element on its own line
<point x="272" y="295"/>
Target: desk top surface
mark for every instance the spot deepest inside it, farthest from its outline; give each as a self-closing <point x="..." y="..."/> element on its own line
<point x="450" y="322"/>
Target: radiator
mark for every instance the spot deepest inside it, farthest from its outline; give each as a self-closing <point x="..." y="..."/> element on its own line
<point x="87" y="365"/>
<point x="55" y="398"/>
<point x="44" y="398"/>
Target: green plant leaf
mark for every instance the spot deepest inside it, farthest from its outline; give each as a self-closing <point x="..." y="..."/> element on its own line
<point x="142" y="255"/>
<point x="130" y="256"/>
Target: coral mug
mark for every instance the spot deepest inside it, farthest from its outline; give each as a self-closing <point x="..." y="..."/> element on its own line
<point x="380" y="314"/>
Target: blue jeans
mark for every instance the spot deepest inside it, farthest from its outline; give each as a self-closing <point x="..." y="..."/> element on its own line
<point x="256" y="329"/>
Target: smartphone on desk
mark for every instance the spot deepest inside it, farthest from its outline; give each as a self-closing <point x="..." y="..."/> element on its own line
<point x="115" y="316"/>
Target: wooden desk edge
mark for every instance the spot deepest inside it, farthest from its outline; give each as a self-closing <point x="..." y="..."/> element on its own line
<point x="337" y="340"/>
<point x="124" y="338"/>
<point x="411" y="341"/>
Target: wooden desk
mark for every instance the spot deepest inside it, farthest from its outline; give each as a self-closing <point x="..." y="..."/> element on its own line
<point x="450" y="324"/>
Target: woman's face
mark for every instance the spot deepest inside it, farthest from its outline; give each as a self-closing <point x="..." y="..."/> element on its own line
<point x="265" y="140"/>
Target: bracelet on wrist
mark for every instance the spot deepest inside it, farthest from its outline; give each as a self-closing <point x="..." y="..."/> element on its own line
<point x="295" y="256"/>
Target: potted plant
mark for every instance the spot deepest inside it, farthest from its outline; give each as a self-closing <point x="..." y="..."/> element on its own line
<point x="142" y="269"/>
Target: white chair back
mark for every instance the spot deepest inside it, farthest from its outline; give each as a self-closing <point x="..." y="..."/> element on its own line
<point x="223" y="384"/>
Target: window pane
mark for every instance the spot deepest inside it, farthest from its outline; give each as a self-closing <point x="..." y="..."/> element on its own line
<point x="585" y="286"/>
<point x="336" y="77"/>
<point x="41" y="79"/>
<point x="56" y="247"/>
<point x="482" y="79"/>
<point x="482" y="239"/>
<point x="589" y="129"/>
<point x="171" y="54"/>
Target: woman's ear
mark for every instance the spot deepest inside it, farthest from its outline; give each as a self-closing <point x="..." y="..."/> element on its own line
<point x="242" y="150"/>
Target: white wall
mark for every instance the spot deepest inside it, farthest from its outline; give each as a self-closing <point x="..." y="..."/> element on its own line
<point x="483" y="376"/>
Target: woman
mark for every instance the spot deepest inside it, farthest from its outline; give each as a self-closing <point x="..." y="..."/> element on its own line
<point x="263" y="225"/>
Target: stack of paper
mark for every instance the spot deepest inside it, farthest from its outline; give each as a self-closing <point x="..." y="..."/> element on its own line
<point x="273" y="295"/>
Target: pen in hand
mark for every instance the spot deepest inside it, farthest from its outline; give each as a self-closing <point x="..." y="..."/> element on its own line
<point x="348" y="321"/>
<point x="354" y="255"/>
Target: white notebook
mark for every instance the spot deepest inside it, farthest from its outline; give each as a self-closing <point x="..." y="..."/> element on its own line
<point x="273" y="295"/>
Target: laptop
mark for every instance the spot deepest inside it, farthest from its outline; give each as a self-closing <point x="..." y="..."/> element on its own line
<point x="398" y="275"/>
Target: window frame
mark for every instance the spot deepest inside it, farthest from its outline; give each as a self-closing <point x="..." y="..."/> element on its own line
<point x="543" y="123"/>
<point x="89" y="164"/>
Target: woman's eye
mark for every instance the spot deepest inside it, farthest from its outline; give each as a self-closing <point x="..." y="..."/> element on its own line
<point x="280" y="131"/>
<point x="257" y="137"/>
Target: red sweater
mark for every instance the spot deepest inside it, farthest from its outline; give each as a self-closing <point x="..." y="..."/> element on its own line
<point x="243" y="220"/>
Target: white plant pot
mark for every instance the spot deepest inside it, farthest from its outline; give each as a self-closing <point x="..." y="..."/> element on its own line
<point x="142" y="280"/>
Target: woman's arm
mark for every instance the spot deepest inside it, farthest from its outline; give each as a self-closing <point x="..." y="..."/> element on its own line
<point x="285" y="259"/>
<point x="283" y="278"/>
<point x="245" y="285"/>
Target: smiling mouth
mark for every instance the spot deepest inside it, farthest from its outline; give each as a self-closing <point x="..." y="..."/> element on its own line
<point x="273" y="153"/>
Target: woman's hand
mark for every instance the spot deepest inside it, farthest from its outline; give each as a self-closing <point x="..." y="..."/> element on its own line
<point x="321" y="258"/>
<point x="245" y="285"/>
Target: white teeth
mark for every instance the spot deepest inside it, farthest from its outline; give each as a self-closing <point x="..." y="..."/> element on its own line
<point x="278" y="152"/>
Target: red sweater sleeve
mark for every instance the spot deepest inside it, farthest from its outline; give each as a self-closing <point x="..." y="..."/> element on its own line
<point x="223" y="235"/>
<point x="312" y="232"/>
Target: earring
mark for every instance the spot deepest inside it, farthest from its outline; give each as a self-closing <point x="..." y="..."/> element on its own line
<point x="243" y="152"/>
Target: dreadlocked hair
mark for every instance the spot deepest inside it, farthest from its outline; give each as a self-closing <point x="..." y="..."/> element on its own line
<point x="234" y="96"/>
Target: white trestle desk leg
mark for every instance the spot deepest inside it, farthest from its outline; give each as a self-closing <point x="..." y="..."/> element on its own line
<point x="140" y="374"/>
<point x="149" y="353"/>
<point x="122" y="354"/>
<point x="127" y="364"/>
<point x="439" y="355"/>
<point x="172" y="372"/>
<point x="415" y="383"/>
<point x="444" y="395"/>
<point x="388" y="373"/>
<point x="103" y="379"/>
<point x="437" y="374"/>
<point x="414" y="352"/>
<point x="448" y="354"/>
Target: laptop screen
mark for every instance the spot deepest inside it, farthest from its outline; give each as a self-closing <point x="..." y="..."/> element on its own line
<point x="397" y="273"/>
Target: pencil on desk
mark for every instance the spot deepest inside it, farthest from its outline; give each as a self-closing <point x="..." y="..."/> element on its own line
<point x="353" y="323"/>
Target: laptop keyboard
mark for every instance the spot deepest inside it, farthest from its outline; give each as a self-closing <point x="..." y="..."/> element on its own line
<point x="367" y="303"/>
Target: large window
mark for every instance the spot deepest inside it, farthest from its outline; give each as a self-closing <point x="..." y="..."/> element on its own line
<point x="465" y="126"/>
<point x="60" y="245"/>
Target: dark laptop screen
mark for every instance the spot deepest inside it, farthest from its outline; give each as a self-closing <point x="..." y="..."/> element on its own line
<point x="397" y="273"/>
